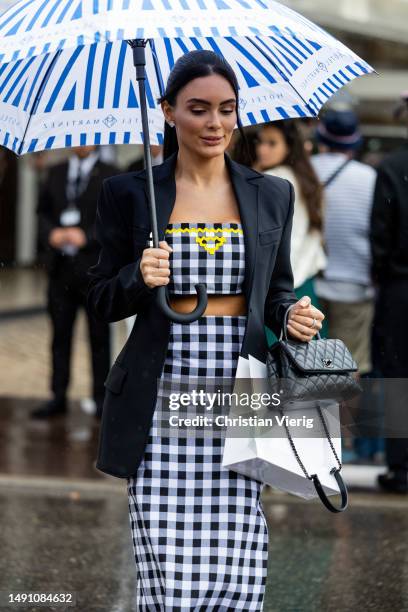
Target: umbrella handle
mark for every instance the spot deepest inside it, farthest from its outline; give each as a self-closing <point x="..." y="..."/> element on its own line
<point x="139" y="61"/>
<point x="183" y="317"/>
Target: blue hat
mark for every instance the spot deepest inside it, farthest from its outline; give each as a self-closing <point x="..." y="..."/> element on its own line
<point x="339" y="130"/>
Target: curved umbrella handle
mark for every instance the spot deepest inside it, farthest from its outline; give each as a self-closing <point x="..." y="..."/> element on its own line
<point x="183" y="317"/>
<point x="139" y="60"/>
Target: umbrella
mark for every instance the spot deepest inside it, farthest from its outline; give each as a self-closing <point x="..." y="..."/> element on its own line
<point x="67" y="72"/>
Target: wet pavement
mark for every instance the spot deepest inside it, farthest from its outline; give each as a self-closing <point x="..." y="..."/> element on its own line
<point x="65" y="528"/>
<point x="25" y="339"/>
<point x="75" y="536"/>
<point x="63" y="446"/>
<point x="67" y="539"/>
<point x="357" y="560"/>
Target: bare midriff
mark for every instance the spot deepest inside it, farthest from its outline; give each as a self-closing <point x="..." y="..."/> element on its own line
<point x="221" y="305"/>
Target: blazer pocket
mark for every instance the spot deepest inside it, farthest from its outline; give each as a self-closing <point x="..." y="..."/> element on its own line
<point x="115" y="379"/>
<point x="270" y="235"/>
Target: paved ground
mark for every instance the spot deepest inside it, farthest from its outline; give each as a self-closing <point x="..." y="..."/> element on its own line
<point x="64" y="446"/>
<point x="25" y="340"/>
<point x="65" y="527"/>
<point x="74" y="536"/>
<point x="21" y="288"/>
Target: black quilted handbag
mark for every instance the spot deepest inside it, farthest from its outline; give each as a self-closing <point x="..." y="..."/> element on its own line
<point x="304" y="371"/>
<point x="319" y="369"/>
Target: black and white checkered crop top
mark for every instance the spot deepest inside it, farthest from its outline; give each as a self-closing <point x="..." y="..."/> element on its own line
<point x="211" y="253"/>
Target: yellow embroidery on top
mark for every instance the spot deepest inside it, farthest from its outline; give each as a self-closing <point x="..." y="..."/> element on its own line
<point x="236" y="230"/>
<point x="203" y="240"/>
<point x="218" y="240"/>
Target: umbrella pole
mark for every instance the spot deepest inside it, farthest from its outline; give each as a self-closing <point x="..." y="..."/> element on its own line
<point x="139" y="60"/>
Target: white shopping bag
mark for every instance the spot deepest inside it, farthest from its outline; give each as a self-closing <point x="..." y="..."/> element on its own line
<point x="271" y="459"/>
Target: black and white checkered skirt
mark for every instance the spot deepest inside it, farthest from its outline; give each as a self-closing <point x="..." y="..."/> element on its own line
<point x="200" y="536"/>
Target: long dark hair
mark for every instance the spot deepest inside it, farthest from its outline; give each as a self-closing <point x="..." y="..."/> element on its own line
<point x="298" y="159"/>
<point x="244" y="151"/>
<point x="193" y="65"/>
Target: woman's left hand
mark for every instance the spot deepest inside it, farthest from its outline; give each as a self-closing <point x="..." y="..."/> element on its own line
<point x="304" y="320"/>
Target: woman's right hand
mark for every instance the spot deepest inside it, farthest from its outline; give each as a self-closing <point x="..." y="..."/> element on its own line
<point x="155" y="265"/>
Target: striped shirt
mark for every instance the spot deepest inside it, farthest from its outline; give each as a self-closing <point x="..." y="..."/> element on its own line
<point x="347" y="210"/>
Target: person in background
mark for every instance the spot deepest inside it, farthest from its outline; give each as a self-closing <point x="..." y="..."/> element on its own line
<point x="243" y="150"/>
<point x="66" y="211"/>
<point x="345" y="287"/>
<point x="389" y="248"/>
<point x="279" y="149"/>
<point x="157" y="158"/>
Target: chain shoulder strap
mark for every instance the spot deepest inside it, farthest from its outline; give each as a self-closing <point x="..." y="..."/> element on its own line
<point x="314" y="477"/>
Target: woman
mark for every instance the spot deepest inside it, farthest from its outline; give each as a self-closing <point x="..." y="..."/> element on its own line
<point x="199" y="532"/>
<point x="281" y="151"/>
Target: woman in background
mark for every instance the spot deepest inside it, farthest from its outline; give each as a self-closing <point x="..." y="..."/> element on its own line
<point x="279" y="149"/>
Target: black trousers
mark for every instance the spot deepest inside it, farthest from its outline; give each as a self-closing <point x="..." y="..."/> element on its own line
<point x="390" y="357"/>
<point x="66" y="294"/>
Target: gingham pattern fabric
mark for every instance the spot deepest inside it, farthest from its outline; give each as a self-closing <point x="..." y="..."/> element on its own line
<point x="211" y="253"/>
<point x="217" y="336"/>
<point x="200" y="536"/>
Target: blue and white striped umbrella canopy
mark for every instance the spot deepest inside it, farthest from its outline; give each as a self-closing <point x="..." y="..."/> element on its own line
<point x="67" y="76"/>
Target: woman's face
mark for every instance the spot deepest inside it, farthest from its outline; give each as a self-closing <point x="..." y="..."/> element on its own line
<point x="271" y="149"/>
<point x="205" y="115"/>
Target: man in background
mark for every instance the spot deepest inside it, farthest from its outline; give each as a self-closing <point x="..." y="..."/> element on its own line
<point x="389" y="245"/>
<point x="345" y="287"/>
<point x="66" y="211"/>
<point x="157" y="158"/>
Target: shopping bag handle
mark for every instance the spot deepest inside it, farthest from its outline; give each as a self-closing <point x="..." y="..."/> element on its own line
<point x="314" y="477"/>
<point x="323" y="496"/>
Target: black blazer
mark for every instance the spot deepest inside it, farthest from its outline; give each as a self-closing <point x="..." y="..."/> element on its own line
<point x="51" y="202"/>
<point x="117" y="290"/>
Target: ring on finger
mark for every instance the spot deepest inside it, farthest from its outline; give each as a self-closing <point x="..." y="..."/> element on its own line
<point x="314" y="323"/>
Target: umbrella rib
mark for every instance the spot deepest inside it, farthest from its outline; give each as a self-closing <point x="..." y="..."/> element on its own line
<point x="156" y="66"/>
<point x="285" y="78"/>
<point x="38" y="95"/>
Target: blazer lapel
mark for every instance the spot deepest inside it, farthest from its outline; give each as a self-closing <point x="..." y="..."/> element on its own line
<point x="247" y="195"/>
